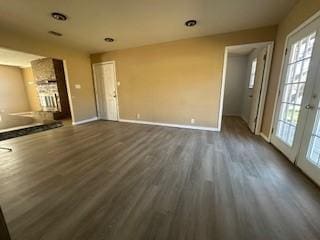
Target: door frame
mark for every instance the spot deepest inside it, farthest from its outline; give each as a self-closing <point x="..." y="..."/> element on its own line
<point x="68" y="86"/>
<point x="264" y="87"/>
<point x="291" y="152"/>
<point x="66" y="76"/>
<point x="96" y="91"/>
<point x="294" y="31"/>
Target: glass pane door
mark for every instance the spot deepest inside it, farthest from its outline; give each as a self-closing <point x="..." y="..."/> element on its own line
<point x="293" y="88"/>
<point x="297" y="125"/>
<point x="296" y="89"/>
<point x="313" y="154"/>
<point x="309" y="156"/>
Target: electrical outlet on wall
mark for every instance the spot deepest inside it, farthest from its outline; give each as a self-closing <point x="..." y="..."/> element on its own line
<point x="138" y="115"/>
<point x="192" y="121"/>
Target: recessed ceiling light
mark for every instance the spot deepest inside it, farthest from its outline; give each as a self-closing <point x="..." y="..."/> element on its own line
<point x="55" y="33"/>
<point x="59" y="16"/>
<point x="190" y="23"/>
<point x="109" y="39"/>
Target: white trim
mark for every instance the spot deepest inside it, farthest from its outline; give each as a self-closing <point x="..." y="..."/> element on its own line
<point x="267" y="139"/>
<point x="222" y="89"/>
<point x="224" y="72"/>
<point x="116" y="86"/>
<point x="264" y="88"/>
<point x="20" y="113"/>
<point x="85" y="121"/>
<point x="297" y="29"/>
<point x="278" y="87"/>
<point x="170" y="125"/>
<point x="96" y="90"/>
<point x="66" y="76"/>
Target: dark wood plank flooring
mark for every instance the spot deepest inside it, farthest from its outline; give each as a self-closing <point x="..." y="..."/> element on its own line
<point x="108" y="180"/>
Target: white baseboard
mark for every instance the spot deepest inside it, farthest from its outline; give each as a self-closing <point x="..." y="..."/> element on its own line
<point x="170" y="125"/>
<point x="20" y="113"/>
<point x="264" y="137"/>
<point x="85" y="121"/>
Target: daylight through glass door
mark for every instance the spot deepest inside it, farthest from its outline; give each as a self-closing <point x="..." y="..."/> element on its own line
<point x="313" y="154"/>
<point x="296" y="77"/>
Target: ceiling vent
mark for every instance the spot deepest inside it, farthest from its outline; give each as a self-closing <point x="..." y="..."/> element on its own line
<point x="55" y="33"/>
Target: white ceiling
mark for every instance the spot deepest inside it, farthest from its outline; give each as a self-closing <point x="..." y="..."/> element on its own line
<point x="137" y="22"/>
<point x="14" y="58"/>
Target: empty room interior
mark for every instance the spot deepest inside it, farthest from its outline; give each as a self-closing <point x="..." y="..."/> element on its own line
<point x="158" y="119"/>
<point x="33" y="94"/>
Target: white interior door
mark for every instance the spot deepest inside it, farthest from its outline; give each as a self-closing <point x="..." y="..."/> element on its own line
<point x="309" y="154"/>
<point x="256" y="91"/>
<point x="299" y="73"/>
<point x="106" y="91"/>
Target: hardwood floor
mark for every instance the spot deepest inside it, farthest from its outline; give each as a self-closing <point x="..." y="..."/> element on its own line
<point x="107" y="180"/>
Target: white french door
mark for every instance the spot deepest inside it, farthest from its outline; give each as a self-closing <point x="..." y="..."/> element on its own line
<point x="298" y="78"/>
<point x="297" y="123"/>
<point x="309" y="156"/>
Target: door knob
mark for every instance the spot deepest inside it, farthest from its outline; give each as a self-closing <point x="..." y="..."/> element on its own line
<point x="309" y="106"/>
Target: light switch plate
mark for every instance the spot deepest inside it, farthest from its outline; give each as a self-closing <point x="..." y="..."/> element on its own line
<point x="77" y="86"/>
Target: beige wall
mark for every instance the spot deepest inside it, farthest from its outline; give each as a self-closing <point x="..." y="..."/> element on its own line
<point x="169" y="82"/>
<point x="176" y="81"/>
<point x="31" y="89"/>
<point x="78" y="64"/>
<point x="301" y="12"/>
<point x="13" y="97"/>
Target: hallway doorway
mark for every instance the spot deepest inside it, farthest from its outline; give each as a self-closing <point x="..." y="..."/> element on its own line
<point x="245" y="81"/>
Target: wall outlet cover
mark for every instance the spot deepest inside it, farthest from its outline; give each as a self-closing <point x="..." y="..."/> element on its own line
<point x="77" y="86"/>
